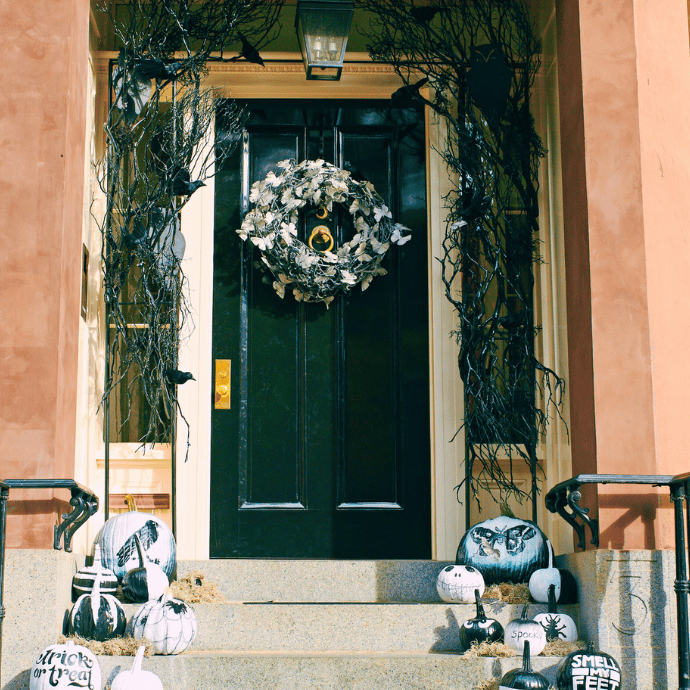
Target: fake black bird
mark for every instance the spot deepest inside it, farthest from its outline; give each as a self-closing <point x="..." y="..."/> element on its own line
<point x="155" y="68"/>
<point x="425" y="14"/>
<point x="489" y="79"/>
<point x="182" y="185"/>
<point x="177" y="377"/>
<point x="137" y="235"/>
<point x="408" y="95"/>
<point x="148" y="534"/>
<point x="249" y="52"/>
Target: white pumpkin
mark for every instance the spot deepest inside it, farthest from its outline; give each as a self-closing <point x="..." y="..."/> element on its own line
<point x="542" y="579"/>
<point x="65" y="667"/>
<point x="97" y="616"/>
<point x="456" y="584"/>
<point x="168" y="624"/>
<point x="118" y="547"/>
<point x="524" y="629"/>
<point x="136" y="679"/>
<point x="147" y="581"/>
<point x="82" y="582"/>
<point x="557" y="626"/>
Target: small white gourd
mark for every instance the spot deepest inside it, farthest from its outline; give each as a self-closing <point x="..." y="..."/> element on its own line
<point x="557" y="626"/>
<point x="542" y="579"/>
<point x="524" y="629"/>
<point x="136" y="679"/>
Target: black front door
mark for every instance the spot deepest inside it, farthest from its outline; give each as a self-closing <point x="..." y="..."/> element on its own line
<point x="324" y="452"/>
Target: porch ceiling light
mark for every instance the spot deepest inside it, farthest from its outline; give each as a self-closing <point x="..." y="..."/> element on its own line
<point x="323" y="27"/>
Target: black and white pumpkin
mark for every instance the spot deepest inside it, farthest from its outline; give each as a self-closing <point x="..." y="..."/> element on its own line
<point x="504" y="549"/>
<point x="118" y="547"/>
<point x="82" y="582"/>
<point x="524" y="678"/>
<point x="524" y="629"/>
<point x="541" y="580"/>
<point x="456" y="584"/>
<point x="65" y="667"/>
<point x="97" y="616"/>
<point x="168" y="624"/>
<point x="136" y="679"/>
<point x="568" y="587"/>
<point x="147" y="581"/>
<point x="558" y="626"/>
<point x="480" y="628"/>
<point x="576" y="670"/>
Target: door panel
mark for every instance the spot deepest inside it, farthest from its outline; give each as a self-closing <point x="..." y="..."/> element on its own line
<point x="325" y="450"/>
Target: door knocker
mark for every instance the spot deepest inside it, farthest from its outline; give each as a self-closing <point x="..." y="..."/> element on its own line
<point x="321" y="239"/>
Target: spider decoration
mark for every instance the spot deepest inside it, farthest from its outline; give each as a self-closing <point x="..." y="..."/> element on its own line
<point x="168" y="624"/>
<point x="477" y="62"/>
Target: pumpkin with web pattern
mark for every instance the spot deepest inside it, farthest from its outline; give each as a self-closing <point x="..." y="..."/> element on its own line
<point x="168" y="624"/>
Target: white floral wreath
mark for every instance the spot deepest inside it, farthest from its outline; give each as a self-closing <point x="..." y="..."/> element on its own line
<point x="317" y="276"/>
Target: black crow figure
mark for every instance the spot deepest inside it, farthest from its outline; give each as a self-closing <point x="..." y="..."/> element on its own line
<point x="177" y="377"/>
<point x="408" y="96"/>
<point x="182" y="185"/>
<point x="249" y="52"/>
<point x="425" y="14"/>
<point x="489" y="79"/>
<point x="148" y="534"/>
<point x="155" y="68"/>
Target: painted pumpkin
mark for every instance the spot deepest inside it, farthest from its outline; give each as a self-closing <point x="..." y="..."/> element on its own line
<point x="168" y="624"/>
<point x="568" y="588"/>
<point x="504" y="549"/>
<point x="479" y="629"/>
<point x="82" y="582"/>
<point x="578" y="667"/>
<point x="147" y="581"/>
<point x="65" y="667"/>
<point x="136" y="679"/>
<point x="558" y="626"/>
<point x="118" y="546"/>
<point x="540" y="581"/>
<point x="456" y="584"/>
<point x="524" y="678"/>
<point x="97" y="616"/>
<point x="524" y="629"/>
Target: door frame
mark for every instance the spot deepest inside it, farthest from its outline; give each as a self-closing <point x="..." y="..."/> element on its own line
<point x="283" y="77"/>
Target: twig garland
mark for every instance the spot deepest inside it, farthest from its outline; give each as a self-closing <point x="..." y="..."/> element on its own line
<point x="318" y="276"/>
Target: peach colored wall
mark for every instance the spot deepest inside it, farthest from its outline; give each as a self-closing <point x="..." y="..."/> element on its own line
<point x="42" y="121"/>
<point x="625" y="156"/>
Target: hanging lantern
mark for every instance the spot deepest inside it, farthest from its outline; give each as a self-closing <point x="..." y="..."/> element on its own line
<point x="323" y="27"/>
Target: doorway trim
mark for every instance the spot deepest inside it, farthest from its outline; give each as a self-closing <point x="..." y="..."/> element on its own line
<point x="283" y="77"/>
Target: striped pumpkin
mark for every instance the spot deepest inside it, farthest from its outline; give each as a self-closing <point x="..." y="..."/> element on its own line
<point x="82" y="582"/>
<point x="97" y="616"/>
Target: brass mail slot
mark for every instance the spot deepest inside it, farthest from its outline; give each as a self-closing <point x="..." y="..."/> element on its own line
<point x="222" y="390"/>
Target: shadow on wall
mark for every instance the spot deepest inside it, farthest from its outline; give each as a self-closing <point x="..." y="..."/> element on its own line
<point x="627" y="509"/>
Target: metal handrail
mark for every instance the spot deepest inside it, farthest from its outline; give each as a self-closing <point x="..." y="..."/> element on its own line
<point x="567" y="495"/>
<point x="85" y="504"/>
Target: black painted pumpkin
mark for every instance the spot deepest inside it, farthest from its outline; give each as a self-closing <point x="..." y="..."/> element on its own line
<point x="504" y="549"/>
<point x="568" y="587"/>
<point x="97" y="616"/>
<point x="524" y="629"/>
<point x="524" y="678"/>
<point x="578" y="667"/>
<point x="146" y="582"/>
<point x="558" y="626"/>
<point x="480" y="629"/>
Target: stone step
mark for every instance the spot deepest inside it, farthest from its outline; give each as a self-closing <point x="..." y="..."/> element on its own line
<point x="249" y="580"/>
<point x="341" y="628"/>
<point x="294" y="671"/>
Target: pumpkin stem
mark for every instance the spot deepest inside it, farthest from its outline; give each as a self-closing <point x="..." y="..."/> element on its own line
<point x="129" y="500"/>
<point x="142" y="560"/>
<point x="523" y="615"/>
<point x="526" y="665"/>
<point x="549" y="546"/>
<point x="95" y="597"/>
<point x="480" y="608"/>
<point x="136" y="666"/>
<point x="552" y="599"/>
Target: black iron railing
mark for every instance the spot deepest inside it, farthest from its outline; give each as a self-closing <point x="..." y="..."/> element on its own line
<point x="566" y="495"/>
<point x="84" y="501"/>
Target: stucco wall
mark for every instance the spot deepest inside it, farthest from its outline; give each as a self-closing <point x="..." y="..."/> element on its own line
<point x="42" y="120"/>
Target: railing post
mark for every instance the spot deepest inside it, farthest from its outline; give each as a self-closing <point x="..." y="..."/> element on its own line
<point x="4" y="492"/>
<point x="679" y="496"/>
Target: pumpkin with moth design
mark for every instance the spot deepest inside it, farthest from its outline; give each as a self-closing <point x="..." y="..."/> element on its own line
<point x="456" y="584"/>
<point x="168" y="624"/>
<point x="524" y="678"/>
<point x="504" y="549"/>
<point x="118" y="545"/>
<point x="558" y="626"/>
<point x="97" y="616"/>
<point x="479" y="629"/>
<point x="524" y="629"/>
<point x="65" y="667"/>
<point x="579" y="666"/>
